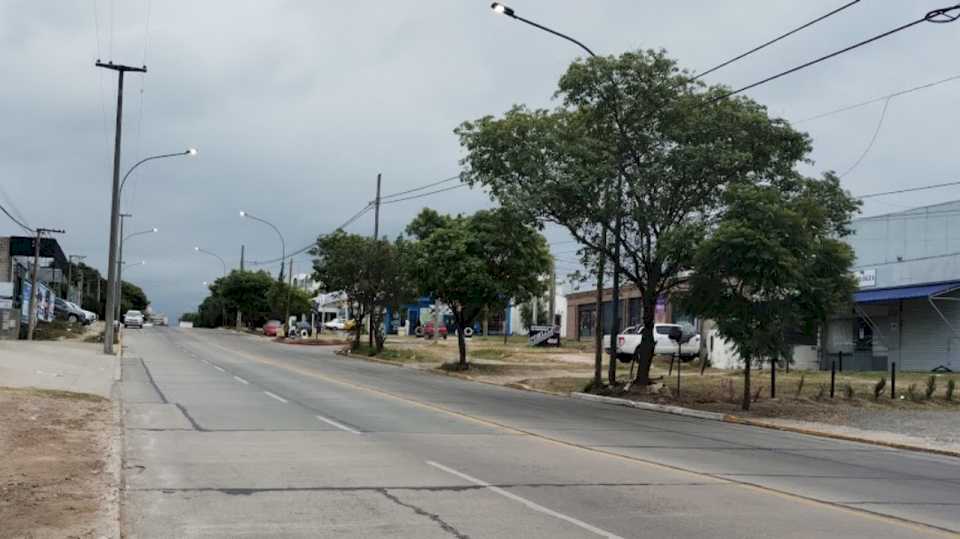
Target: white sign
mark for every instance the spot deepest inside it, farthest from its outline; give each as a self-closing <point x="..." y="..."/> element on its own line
<point x="6" y="303"/>
<point x="866" y="278"/>
<point x="6" y="290"/>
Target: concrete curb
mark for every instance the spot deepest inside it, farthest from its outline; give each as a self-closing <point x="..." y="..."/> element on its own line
<point x="726" y="418"/>
<point x="117" y="456"/>
<point x="676" y="410"/>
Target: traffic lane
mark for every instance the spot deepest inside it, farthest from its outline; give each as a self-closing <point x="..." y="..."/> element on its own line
<point x="335" y="403"/>
<point x="755" y="456"/>
<point x="208" y="397"/>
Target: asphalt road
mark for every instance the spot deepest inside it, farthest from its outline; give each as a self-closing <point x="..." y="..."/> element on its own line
<point x="234" y="436"/>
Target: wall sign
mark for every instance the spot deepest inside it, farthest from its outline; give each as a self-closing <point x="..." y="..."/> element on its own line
<point x="866" y="278"/>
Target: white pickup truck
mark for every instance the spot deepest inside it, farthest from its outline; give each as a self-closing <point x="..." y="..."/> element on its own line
<point x="629" y="341"/>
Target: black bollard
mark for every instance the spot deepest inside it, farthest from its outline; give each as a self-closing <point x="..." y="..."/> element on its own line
<point x="833" y="377"/>
<point x="893" y="380"/>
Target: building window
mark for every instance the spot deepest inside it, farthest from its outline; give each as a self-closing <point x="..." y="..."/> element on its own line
<point x="585" y="318"/>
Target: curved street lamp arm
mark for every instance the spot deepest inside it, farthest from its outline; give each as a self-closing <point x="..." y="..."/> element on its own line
<point x="142" y="232"/>
<point x="550" y="30"/>
<point x="283" y="245"/>
<point x="144" y="160"/>
<point x="218" y="257"/>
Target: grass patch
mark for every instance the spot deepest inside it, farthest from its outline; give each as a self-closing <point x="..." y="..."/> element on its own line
<point x="400" y="355"/>
<point x="54" y="394"/>
<point x="489" y="353"/>
<point x="57" y="330"/>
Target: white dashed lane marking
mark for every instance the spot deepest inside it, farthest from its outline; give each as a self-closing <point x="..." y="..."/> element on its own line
<point x="340" y="426"/>
<point x="241" y="380"/>
<point x="273" y="396"/>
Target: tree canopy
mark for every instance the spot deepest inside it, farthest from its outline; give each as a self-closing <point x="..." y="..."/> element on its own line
<point x="636" y="138"/>
<point x="775" y="262"/>
<point x="482" y="260"/>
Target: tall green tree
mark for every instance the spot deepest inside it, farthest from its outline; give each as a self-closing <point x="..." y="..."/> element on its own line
<point x="372" y="273"/>
<point x="247" y="291"/>
<point x="633" y="137"/>
<point x="775" y="262"/>
<point x="486" y="259"/>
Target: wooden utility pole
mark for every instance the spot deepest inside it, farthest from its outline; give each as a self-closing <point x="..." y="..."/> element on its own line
<point x="33" y="280"/>
<point x="240" y="316"/>
<point x="115" y="205"/>
<point x="376" y="236"/>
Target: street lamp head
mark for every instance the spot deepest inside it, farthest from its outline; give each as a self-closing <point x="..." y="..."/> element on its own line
<point x="243" y="214"/>
<point x="155" y="229"/>
<point x="497" y="7"/>
<point x="197" y="248"/>
<point x="191" y="151"/>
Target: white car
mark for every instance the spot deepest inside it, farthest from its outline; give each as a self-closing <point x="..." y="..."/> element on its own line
<point x="628" y="342"/>
<point x="336" y="323"/>
<point x="133" y="318"/>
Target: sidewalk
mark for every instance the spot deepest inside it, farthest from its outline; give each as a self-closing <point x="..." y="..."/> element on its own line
<point x="58" y="365"/>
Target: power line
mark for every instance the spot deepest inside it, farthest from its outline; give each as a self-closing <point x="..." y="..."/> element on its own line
<point x="425" y="194"/>
<point x="910" y="190"/>
<point x="878" y="99"/>
<point x="421" y="188"/>
<point x="310" y="245"/>
<point x="15" y="220"/>
<point x="876" y="133"/>
<point x="776" y="39"/>
<point x="942" y="15"/>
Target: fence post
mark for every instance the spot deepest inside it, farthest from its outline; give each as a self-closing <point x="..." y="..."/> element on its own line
<point x="840" y="354"/>
<point x="833" y="377"/>
<point x="893" y="380"/>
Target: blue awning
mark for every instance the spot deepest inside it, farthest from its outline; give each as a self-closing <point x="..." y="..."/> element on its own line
<point x="904" y="292"/>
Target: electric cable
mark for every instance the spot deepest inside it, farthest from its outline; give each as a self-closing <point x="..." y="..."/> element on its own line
<point x="910" y="189"/>
<point x="421" y="188"/>
<point x="17" y="221"/>
<point x="876" y="133"/>
<point x="776" y="39"/>
<point x="423" y="194"/>
<point x="878" y="99"/>
<point x="940" y="16"/>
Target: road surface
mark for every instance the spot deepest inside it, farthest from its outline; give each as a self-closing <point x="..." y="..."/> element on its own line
<point x="229" y="435"/>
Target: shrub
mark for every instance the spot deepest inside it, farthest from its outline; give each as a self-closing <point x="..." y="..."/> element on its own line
<point x="728" y="390"/>
<point x="878" y="388"/>
<point x="756" y="393"/>
<point x="800" y="385"/>
<point x="821" y="391"/>
<point x="912" y="393"/>
<point x="848" y="391"/>
<point x="951" y="386"/>
<point x="931" y="387"/>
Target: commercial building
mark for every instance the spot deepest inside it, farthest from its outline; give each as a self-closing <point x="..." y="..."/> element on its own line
<point x="581" y="312"/>
<point x="16" y="263"/>
<point x="907" y="308"/>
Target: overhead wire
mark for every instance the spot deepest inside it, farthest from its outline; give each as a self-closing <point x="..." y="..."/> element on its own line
<point x="776" y="39"/>
<point x="942" y="15"/>
<point x="878" y="99"/>
<point x="17" y="221"/>
<point x="421" y="188"/>
<point x="910" y="189"/>
<point x="873" y="139"/>
<point x="429" y="193"/>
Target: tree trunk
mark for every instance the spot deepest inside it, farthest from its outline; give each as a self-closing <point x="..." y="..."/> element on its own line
<point x="745" y="405"/>
<point x="647" y="344"/>
<point x="461" y="339"/>
<point x="598" y="324"/>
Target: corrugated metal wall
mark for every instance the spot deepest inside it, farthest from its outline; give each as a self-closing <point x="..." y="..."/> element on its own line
<point x="926" y="338"/>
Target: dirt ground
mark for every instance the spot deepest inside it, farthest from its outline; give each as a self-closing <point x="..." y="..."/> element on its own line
<point x="54" y="476"/>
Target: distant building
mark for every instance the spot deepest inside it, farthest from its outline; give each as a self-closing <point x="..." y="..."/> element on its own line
<point x="907" y="308"/>
<point x="16" y="263"/>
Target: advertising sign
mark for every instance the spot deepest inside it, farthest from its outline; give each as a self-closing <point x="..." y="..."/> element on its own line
<point x="866" y="278"/>
<point x="45" y="302"/>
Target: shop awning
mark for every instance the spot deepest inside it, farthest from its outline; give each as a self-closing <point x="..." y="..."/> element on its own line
<point x="904" y="292"/>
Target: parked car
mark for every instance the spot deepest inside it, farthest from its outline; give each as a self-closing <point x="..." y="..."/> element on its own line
<point x="65" y="310"/>
<point x="628" y="342"/>
<point x="133" y="319"/>
<point x="340" y="324"/>
<point x="428" y="330"/>
<point x="90" y="315"/>
<point x="271" y="327"/>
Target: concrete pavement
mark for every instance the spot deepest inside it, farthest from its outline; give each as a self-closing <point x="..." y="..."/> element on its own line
<point x="233" y="436"/>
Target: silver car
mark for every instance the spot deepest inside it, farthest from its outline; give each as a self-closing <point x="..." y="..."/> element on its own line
<point x="133" y="319"/>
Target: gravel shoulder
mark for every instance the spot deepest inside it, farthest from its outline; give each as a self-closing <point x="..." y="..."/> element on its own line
<point x="56" y="477"/>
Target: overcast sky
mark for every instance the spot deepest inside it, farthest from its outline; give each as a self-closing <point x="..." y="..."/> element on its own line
<point x="296" y="106"/>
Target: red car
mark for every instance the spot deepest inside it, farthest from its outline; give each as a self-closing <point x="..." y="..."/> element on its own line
<point x="271" y="327"/>
<point x="428" y="330"/>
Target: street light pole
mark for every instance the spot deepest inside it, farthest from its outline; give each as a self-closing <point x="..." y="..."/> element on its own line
<point x="32" y="318"/>
<point x="115" y="202"/>
<point x="283" y="244"/>
<point x="117" y="287"/>
<point x="120" y="269"/>
<point x="615" y="292"/>
<point x="223" y="308"/>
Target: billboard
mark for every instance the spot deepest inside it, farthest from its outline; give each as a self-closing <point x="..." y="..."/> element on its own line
<point x="45" y="302"/>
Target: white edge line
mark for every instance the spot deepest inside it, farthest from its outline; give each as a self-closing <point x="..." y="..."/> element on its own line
<point x="524" y="501"/>
<point x="338" y="425"/>
<point x="278" y="397"/>
<point x="241" y="380"/>
<point x="219" y="368"/>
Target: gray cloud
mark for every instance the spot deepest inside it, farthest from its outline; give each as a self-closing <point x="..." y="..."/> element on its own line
<point x="295" y="107"/>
